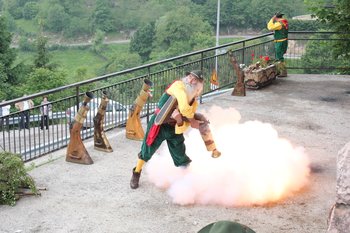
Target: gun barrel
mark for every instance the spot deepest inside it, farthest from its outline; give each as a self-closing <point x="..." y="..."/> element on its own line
<point x="134" y="128"/>
<point x="100" y="139"/>
<point x="76" y="151"/>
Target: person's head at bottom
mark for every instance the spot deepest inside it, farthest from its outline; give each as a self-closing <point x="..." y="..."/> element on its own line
<point x="226" y="227"/>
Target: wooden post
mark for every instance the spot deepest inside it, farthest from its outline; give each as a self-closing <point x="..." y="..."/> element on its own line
<point x="239" y="89"/>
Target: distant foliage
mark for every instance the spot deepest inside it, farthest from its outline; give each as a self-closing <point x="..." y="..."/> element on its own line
<point x="83" y="18"/>
<point x="13" y="177"/>
<point x="335" y="14"/>
<point x="102" y="18"/>
<point x="305" y="25"/>
<point x="25" y="44"/>
<point x="56" y="18"/>
<point x="142" y="41"/>
<point x="176" y="29"/>
<point x="8" y="74"/>
<point x="321" y="54"/>
<point x="122" y="61"/>
<point x="30" y="10"/>
<point x="97" y="44"/>
<point x="77" y="26"/>
<point x="44" y="79"/>
<point x="42" y="57"/>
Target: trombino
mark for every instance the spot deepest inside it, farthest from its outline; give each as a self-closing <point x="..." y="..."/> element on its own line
<point x="165" y="115"/>
<point x="134" y="128"/>
<point x="76" y="151"/>
<point x="100" y="140"/>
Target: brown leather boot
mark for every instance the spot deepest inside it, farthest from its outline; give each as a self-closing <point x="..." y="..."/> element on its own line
<point x="134" y="182"/>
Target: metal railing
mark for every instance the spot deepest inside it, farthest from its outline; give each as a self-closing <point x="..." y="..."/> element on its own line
<point x="124" y="86"/>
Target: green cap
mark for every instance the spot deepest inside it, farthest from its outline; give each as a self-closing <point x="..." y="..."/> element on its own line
<point x="197" y="73"/>
<point x="226" y="227"/>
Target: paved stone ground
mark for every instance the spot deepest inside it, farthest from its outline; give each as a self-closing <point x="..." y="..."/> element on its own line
<point x="309" y="110"/>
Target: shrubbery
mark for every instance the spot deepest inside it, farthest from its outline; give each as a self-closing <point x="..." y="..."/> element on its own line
<point x="13" y="178"/>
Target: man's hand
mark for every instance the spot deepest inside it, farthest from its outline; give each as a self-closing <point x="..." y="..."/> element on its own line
<point x="195" y="123"/>
<point x="176" y="115"/>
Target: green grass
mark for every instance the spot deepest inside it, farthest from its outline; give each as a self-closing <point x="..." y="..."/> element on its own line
<point x="28" y="26"/>
<point x="112" y="50"/>
<point x="72" y="59"/>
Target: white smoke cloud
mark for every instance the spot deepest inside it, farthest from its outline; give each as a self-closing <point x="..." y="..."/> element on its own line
<point x="256" y="165"/>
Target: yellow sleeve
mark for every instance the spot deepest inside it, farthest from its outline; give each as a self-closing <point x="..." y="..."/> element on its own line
<point x="178" y="90"/>
<point x="184" y="127"/>
<point x="273" y="26"/>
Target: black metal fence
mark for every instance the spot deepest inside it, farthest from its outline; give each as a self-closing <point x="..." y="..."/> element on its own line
<point x="305" y="54"/>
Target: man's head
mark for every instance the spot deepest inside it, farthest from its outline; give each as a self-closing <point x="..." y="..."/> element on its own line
<point x="196" y="74"/>
<point x="279" y="15"/>
<point x="194" y="83"/>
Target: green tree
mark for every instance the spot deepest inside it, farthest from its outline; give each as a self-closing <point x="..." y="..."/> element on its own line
<point x="30" y="10"/>
<point x="142" y="40"/>
<point x="121" y="62"/>
<point x="318" y="54"/>
<point x="102" y="17"/>
<point x="321" y="54"/>
<point x="176" y="29"/>
<point x="42" y="57"/>
<point x="56" y="18"/>
<point x="25" y="44"/>
<point x="7" y="54"/>
<point x="72" y="8"/>
<point x="97" y="44"/>
<point x="201" y="2"/>
<point x="335" y="14"/>
<point x="14" y="8"/>
<point x="80" y="74"/>
<point x="7" y="58"/>
<point x="77" y="26"/>
<point x="44" y="79"/>
<point x="10" y="21"/>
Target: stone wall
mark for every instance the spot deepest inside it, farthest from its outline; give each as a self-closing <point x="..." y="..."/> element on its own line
<point x="339" y="219"/>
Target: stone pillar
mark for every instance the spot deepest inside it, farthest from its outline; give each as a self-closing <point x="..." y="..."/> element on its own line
<point x="339" y="218"/>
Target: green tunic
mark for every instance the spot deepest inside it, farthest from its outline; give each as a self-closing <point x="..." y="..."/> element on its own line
<point x="175" y="142"/>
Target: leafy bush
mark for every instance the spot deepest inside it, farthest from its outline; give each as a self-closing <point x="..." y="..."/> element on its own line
<point x="25" y="45"/>
<point x="321" y="57"/>
<point x="13" y="177"/>
<point x="30" y="10"/>
<point x="305" y="25"/>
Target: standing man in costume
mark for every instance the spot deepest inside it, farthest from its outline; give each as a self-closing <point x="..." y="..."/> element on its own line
<point x="280" y="27"/>
<point x="185" y="91"/>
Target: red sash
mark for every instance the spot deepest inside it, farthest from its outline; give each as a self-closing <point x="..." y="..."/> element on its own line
<point x="153" y="132"/>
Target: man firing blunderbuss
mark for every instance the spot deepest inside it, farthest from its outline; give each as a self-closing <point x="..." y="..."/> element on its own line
<point x="175" y="113"/>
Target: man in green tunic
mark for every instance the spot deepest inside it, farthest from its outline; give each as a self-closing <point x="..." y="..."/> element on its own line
<point x="280" y="27"/>
<point x="186" y="91"/>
